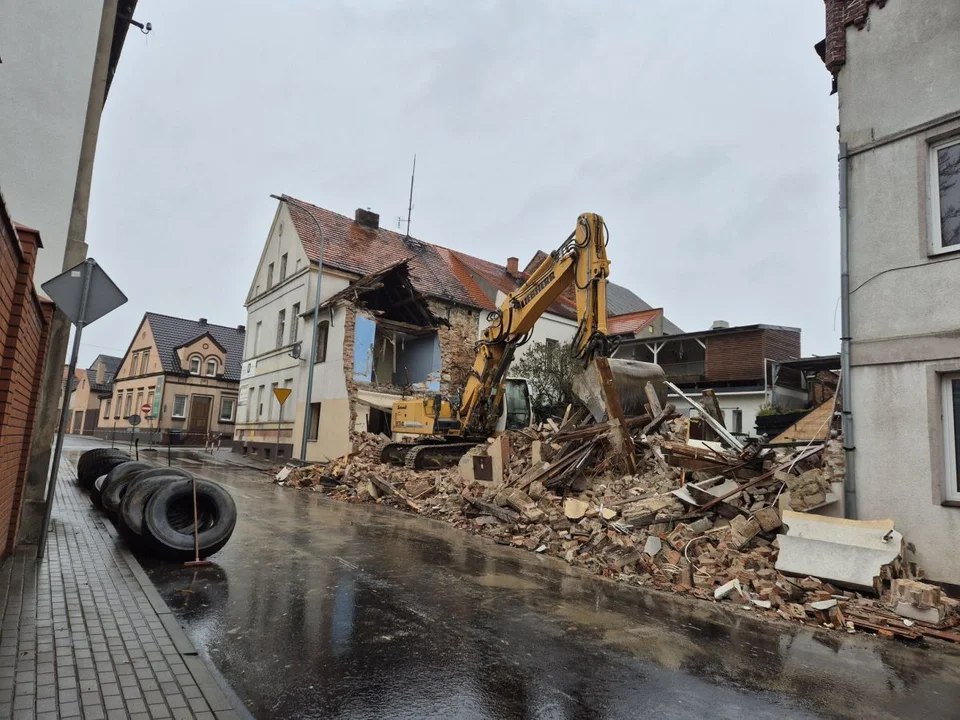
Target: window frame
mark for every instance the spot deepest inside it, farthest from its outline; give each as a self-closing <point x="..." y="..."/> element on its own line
<point x="190" y="364"/>
<point x="935" y="244"/>
<point x="134" y="363"/>
<point x="321" y="354"/>
<point x="294" y="323"/>
<point x="283" y="267"/>
<point x="233" y="409"/>
<point x="128" y="404"/>
<point x="144" y="359"/>
<point x="281" y="326"/>
<point x="313" y="434"/>
<point x="270" y="276"/>
<point x="951" y="491"/>
<point x="216" y="367"/>
<point x="107" y="407"/>
<point x="173" y="409"/>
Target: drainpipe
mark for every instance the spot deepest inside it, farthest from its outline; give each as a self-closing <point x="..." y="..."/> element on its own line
<point x="849" y="442"/>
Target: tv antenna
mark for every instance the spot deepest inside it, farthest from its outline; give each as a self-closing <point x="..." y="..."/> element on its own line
<point x="400" y="220"/>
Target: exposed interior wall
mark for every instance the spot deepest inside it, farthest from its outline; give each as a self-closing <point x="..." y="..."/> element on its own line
<point x="457" y="341"/>
<point x="748" y="404"/>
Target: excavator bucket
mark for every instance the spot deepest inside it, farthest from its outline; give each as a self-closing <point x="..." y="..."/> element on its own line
<point x="610" y="387"/>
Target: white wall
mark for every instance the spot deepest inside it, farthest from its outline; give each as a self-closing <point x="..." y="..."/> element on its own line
<point x="549" y="326"/>
<point x="747" y="402"/>
<point x="902" y="71"/>
<point x="48" y="49"/>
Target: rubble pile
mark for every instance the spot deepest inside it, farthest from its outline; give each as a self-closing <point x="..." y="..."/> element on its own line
<point x="695" y="517"/>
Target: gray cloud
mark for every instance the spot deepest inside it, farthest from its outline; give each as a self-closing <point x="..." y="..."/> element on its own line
<point x="703" y="132"/>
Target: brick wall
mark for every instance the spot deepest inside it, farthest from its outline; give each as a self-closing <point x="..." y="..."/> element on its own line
<point x="457" y="344"/>
<point x="841" y="14"/>
<point x="24" y="327"/>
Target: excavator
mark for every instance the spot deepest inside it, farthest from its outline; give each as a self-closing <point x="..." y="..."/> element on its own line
<point x="444" y="429"/>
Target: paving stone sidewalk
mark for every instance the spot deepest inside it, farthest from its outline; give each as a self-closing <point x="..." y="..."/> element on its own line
<point x="84" y="634"/>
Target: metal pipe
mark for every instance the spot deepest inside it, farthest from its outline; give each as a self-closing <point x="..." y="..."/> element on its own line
<point x="849" y="442"/>
<point x="316" y="321"/>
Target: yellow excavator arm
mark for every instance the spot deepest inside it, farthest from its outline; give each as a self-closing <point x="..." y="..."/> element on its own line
<point x="581" y="261"/>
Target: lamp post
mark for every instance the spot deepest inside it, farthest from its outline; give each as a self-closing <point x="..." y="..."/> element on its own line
<point x="316" y="321"/>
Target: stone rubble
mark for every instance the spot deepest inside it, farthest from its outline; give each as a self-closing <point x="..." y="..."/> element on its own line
<point x="633" y="529"/>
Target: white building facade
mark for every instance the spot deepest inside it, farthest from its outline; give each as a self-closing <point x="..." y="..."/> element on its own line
<point x="897" y="70"/>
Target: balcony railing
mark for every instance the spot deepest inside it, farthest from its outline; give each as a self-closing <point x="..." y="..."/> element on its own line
<point x="685" y="372"/>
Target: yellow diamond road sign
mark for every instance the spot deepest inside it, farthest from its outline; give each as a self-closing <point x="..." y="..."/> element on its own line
<point x="282" y="394"/>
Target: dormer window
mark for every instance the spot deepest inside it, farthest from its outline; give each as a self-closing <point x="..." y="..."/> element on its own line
<point x="195" y="361"/>
<point x="211" y="367"/>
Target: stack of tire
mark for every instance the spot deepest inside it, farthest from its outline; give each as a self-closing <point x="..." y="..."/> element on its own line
<point x="153" y="506"/>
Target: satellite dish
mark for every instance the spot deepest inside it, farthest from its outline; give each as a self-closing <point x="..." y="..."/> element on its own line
<point x="295" y="352"/>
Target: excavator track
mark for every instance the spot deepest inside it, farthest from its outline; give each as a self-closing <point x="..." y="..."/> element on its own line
<point x="396" y="453"/>
<point x="435" y="456"/>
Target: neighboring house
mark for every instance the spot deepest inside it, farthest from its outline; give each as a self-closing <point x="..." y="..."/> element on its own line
<point x="58" y="60"/>
<point x="734" y="362"/>
<point x="181" y="376"/>
<point x="398" y="315"/>
<point x="93" y="384"/>
<point x="489" y="284"/>
<point x="896" y="68"/>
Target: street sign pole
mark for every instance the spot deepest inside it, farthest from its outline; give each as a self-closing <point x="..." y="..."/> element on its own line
<point x="84" y="293"/>
<point x="58" y="448"/>
<point x="281" y="394"/>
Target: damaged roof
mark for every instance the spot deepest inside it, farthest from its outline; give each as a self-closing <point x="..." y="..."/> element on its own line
<point x="435" y="271"/>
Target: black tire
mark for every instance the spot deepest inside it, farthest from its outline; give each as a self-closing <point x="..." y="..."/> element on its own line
<point x="96" y="491"/>
<point x="169" y="519"/>
<point x="139" y="492"/>
<point x="88" y="469"/>
<point x="116" y="483"/>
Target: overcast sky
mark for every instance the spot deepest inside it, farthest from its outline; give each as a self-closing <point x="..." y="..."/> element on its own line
<point x="703" y="131"/>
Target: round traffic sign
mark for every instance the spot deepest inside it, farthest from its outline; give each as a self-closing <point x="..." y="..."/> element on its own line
<point x="145" y="408"/>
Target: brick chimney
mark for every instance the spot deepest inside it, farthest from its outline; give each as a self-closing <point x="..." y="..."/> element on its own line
<point x="241" y="328"/>
<point x="513" y="266"/>
<point x="367" y="219"/>
<point x="203" y="322"/>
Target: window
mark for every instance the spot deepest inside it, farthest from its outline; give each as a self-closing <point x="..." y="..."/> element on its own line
<point x="296" y="265"/>
<point x="269" y="276"/>
<point x="273" y="400"/>
<point x="118" y="405"/>
<point x="256" y="338"/>
<point x="294" y="322"/>
<point x="551" y="352"/>
<point x="212" y="366"/>
<point x="951" y="428"/>
<point x="737" y="421"/>
<point x="283" y="267"/>
<point x="128" y="405"/>
<point x="288" y="383"/>
<point x="179" y="407"/>
<point x="195" y="365"/>
<point x="143" y="361"/>
<point x="314" y="421"/>
<point x="139" y="401"/>
<point x="226" y="409"/>
<point x="251" y="410"/>
<point x="106" y="407"/>
<point x="134" y="363"/>
<point x="322" y="329"/>
<point x="260" y="401"/>
<point x="945" y="196"/>
<point x="281" y="327"/>
<point x="150" y="400"/>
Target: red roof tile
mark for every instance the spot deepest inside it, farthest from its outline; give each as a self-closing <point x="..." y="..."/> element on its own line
<point x="632" y="323"/>
<point x="358" y="249"/>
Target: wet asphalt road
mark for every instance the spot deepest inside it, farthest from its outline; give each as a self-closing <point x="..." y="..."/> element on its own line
<point x="317" y="609"/>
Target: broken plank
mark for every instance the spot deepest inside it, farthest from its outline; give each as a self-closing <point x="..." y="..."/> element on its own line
<point x="623" y="441"/>
<point x="501" y="514"/>
<point x="665" y="414"/>
<point x="387" y="488"/>
<point x="652" y="399"/>
<point x="708" y="419"/>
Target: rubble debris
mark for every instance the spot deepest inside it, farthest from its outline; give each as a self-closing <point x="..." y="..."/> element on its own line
<point x="851" y="553"/>
<point x="698" y="518"/>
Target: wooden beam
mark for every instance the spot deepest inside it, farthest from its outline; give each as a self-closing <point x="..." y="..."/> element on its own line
<point x="621" y="437"/>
